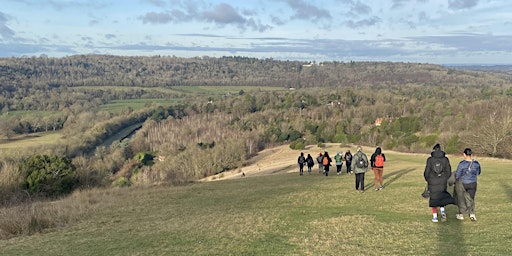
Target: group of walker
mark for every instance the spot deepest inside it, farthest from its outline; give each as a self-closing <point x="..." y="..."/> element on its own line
<point x="357" y="164"/>
<point x="437" y="174"/>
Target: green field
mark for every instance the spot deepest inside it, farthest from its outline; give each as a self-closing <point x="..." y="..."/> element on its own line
<point x="284" y="214"/>
<point x="117" y="106"/>
<point x="30" y="141"/>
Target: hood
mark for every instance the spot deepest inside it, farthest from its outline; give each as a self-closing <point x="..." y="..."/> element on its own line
<point x="438" y="153"/>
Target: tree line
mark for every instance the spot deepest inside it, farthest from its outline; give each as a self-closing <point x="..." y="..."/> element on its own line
<point x="419" y="105"/>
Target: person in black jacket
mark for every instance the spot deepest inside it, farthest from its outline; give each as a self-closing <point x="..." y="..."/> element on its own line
<point x="310" y="163"/>
<point x="377" y="163"/>
<point x="326" y="161"/>
<point x="348" y="161"/>
<point x="437" y="172"/>
<point x="301" y="161"/>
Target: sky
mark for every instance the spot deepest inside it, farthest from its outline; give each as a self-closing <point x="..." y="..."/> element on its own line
<point x="419" y="31"/>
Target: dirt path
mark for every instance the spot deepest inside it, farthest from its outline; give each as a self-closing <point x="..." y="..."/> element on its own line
<point x="277" y="160"/>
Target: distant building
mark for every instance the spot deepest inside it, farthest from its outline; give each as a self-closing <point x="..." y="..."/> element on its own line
<point x="378" y="121"/>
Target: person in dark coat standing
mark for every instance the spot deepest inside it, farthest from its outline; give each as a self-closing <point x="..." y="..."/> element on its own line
<point x="301" y="161"/>
<point x="348" y="161"/>
<point x="310" y="163"/>
<point x="437" y="172"/>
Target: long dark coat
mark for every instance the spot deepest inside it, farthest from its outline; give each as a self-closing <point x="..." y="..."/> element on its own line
<point x="437" y="185"/>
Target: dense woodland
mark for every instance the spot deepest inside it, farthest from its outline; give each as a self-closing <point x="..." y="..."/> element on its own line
<point x="204" y="134"/>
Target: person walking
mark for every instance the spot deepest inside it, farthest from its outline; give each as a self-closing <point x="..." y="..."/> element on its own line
<point x="377" y="162"/>
<point x="338" y="158"/>
<point x="348" y="161"/>
<point x="326" y="162"/>
<point x="310" y="163"/>
<point x="465" y="185"/>
<point x="301" y="161"/>
<point x="437" y="172"/>
<point x="319" y="160"/>
<point x="360" y="167"/>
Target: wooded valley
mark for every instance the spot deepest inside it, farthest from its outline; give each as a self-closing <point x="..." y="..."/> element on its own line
<point x="202" y="116"/>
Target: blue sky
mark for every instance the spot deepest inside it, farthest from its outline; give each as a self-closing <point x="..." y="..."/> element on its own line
<point x="426" y="31"/>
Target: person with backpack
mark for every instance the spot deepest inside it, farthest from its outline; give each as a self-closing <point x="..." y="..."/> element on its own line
<point x="310" y="163"/>
<point x="348" y="161"/>
<point x="319" y="160"/>
<point x="465" y="185"/>
<point x="338" y="158"/>
<point x="377" y="162"/>
<point x="326" y="162"/>
<point x="437" y="172"/>
<point x="360" y="167"/>
<point x="301" y="161"/>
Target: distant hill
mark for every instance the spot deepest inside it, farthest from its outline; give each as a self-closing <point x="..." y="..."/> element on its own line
<point x="507" y="69"/>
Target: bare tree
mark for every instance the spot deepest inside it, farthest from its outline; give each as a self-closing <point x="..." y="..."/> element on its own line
<point x="493" y="132"/>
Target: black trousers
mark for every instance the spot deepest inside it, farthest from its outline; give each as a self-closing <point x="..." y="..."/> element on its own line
<point x="360" y="181"/>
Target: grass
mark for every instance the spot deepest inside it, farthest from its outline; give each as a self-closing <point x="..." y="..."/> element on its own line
<point x="116" y="106"/>
<point x="281" y="214"/>
<point x="27" y="113"/>
<point x="29" y="141"/>
<point x="220" y="90"/>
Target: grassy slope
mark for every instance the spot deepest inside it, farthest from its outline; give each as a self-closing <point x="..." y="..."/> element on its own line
<point x="285" y="214"/>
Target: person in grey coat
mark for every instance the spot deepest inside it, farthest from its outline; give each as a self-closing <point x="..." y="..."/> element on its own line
<point x="359" y="167"/>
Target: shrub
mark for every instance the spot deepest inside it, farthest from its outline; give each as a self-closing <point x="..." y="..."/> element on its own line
<point x="298" y="144"/>
<point x="144" y="158"/>
<point x="48" y="175"/>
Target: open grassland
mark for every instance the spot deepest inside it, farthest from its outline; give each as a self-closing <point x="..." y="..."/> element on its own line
<point x="116" y="106"/>
<point x="27" y="113"/>
<point x="221" y="90"/>
<point x="282" y="213"/>
<point x="30" y="141"/>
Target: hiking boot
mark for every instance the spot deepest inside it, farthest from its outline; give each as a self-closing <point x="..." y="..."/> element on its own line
<point x="472" y="217"/>
<point x="435" y="220"/>
<point x="443" y="217"/>
<point x="459" y="216"/>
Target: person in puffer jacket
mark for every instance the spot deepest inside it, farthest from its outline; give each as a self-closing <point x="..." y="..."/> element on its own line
<point x="466" y="176"/>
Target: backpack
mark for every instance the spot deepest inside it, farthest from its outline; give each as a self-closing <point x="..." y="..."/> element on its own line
<point x="348" y="157"/>
<point x="325" y="161"/>
<point x="438" y="167"/>
<point x="338" y="158"/>
<point x="379" y="161"/>
<point x="361" y="163"/>
<point x="310" y="161"/>
<point x="302" y="160"/>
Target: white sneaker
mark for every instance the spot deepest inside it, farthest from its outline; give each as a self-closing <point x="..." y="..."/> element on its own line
<point x="434" y="219"/>
<point x="459" y="216"/>
<point x="443" y="217"/>
<point x="472" y="217"/>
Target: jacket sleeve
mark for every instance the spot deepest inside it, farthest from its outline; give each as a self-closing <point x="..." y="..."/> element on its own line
<point x="426" y="173"/>
<point x="458" y="171"/>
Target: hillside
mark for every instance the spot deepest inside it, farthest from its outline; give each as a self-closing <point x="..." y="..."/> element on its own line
<point x="279" y="213"/>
